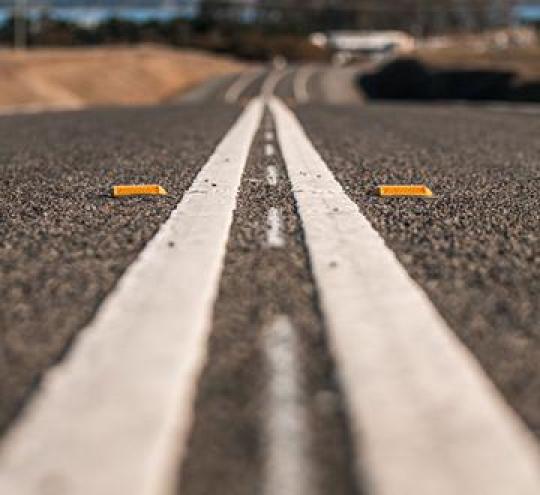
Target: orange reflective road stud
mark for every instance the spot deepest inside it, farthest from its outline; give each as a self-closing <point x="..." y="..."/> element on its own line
<point x="405" y="190"/>
<point x="138" y="190"/>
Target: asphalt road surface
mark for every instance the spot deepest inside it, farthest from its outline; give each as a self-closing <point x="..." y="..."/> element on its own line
<point x="290" y="352"/>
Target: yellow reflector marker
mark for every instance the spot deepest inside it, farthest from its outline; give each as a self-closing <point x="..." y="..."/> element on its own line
<point x="404" y="190"/>
<point x="139" y="190"/>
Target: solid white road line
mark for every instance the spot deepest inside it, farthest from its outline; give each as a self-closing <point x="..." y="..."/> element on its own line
<point x="287" y="469"/>
<point x="272" y="175"/>
<point x="301" y="81"/>
<point x="39" y="108"/>
<point x="424" y="417"/>
<point x="274" y="234"/>
<point x="114" y="416"/>
<point x="240" y="85"/>
<point x="269" y="149"/>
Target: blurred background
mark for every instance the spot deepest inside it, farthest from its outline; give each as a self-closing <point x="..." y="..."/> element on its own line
<point x="80" y="52"/>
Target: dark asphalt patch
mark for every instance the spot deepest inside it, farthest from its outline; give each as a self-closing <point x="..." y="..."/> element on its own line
<point x="474" y="248"/>
<point x="226" y="451"/>
<point x="64" y="241"/>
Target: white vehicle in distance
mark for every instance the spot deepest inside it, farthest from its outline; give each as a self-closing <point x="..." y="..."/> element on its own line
<point x="352" y="45"/>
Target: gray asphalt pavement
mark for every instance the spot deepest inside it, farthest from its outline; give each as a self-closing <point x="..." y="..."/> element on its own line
<point x="473" y="248"/>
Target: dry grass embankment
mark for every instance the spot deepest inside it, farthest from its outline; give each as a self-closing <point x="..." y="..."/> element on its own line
<point x="74" y="77"/>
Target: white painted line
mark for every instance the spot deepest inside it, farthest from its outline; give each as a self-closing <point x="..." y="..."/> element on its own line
<point x="425" y="419"/>
<point x="114" y="416"/>
<point x="271" y="82"/>
<point x="269" y="149"/>
<point x="269" y="135"/>
<point x="525" y="110"/>
<point x="274" y="234"/>
<point x="40" y="108"/>
<point x="301" y="81"/>
<point x="240" y="85"/>
<point x="272" y="175"/>
<point x="287" y="469"/>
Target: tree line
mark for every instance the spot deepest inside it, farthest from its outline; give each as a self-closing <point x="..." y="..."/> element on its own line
<point x="418" y="17"/>
<point x="260" y="29"/>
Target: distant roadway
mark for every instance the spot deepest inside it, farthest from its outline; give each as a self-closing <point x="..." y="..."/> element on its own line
<point x="271" y="325"/>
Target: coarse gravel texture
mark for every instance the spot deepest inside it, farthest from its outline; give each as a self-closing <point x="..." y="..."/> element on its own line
<point x="64" y="241"/>
<point x="474" y="248"/>
<point x="228" y="447"/>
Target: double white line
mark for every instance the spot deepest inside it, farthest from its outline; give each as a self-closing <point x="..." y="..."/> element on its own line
<point x="114" y="417"/>
<point x="424" y="417"/>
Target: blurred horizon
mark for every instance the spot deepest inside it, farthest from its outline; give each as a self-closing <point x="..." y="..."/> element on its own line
<point x="417" y="17"/>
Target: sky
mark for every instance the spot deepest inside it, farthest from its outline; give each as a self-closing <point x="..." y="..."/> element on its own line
<point x="91" y="12"/>
<point x="143" y="10"/>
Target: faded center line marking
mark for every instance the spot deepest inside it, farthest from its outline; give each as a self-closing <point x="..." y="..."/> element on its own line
<point x="269" y="149"/>
<point x="287" y="469"/>
<point x="274" y="234"/>
<point x="269" y="135"/>
<point x="272" y="175"/>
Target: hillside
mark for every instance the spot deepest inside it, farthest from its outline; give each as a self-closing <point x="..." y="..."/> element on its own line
<point x="103" y="76"/>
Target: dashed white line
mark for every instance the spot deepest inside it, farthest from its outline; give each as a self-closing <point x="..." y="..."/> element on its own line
<point x="269" y="135"/>
<point x="301" y="81"/>
<point x="114" y="416"/>
<point x="287" y="469"/>
<point x="274" y="234"/>
<point x="272" y="175"/>
<point x="239" y="86"/>
<point x="269" y="149"/>
<point x="268" y="124"/>
<point x="424" y="417"/>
